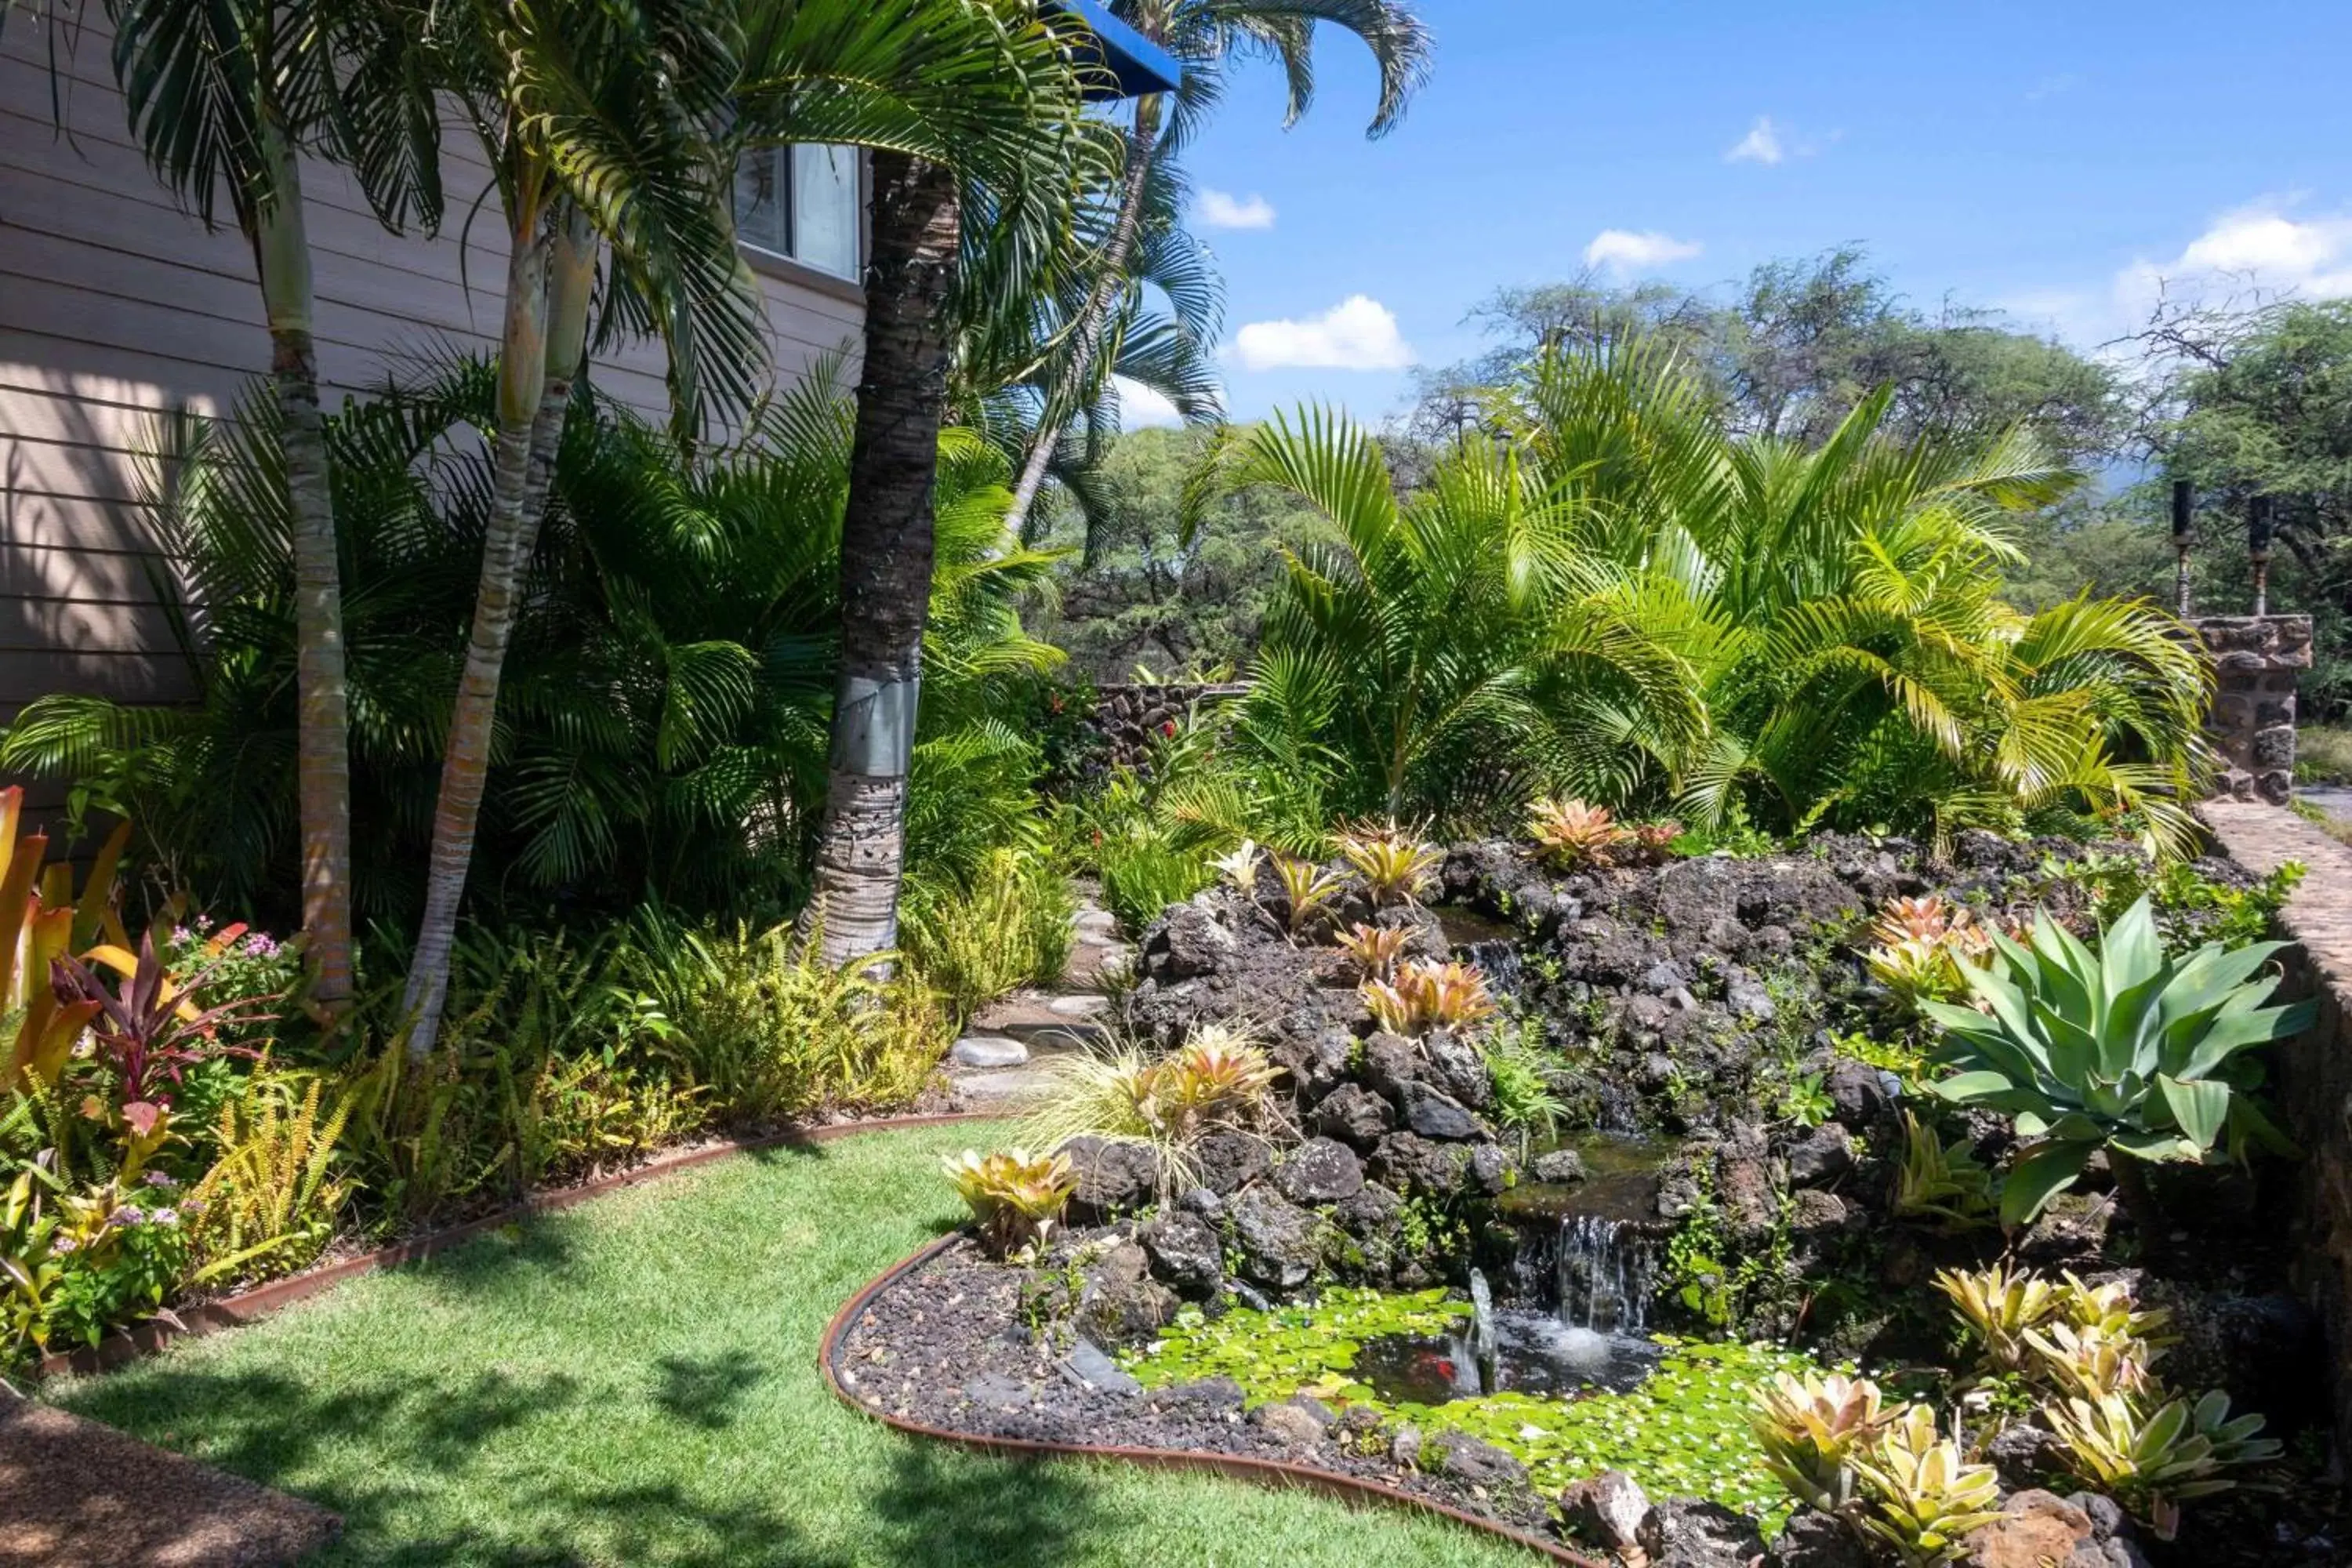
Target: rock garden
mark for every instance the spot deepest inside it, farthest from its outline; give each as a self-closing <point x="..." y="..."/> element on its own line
<point x="1848" y="1202"/>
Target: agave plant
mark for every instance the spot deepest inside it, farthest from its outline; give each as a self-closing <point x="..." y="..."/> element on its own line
<point x="2153" y="1460"/>
<point x="1395" y="863"/>
<point x="1424" y="996"/>
<point x="1999" y="1307"/>
<point x="1375" y="948"/>
<point x="2125" y="1048"/>
<point x="1015" y="1197"/>
<point x="1307" y="889"/>
<point x="1572" y="833"/>
<point x="1927" y="1496"/>
<point x="1814" y="1430"/>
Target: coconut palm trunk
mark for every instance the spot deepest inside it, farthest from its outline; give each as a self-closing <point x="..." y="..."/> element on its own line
<point x="1110" y="281"/>
<point x="550" y="277"/>
<point x="885" y="554"/>
<point x="281" y="251"/>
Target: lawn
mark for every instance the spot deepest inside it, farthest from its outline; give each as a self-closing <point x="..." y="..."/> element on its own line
<point x="634" y="1381"/>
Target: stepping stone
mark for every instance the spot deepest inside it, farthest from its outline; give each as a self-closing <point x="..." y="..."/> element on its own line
<point x="80" y="1495"/>
<point x="986" y="1051"/>
<point x="1083" y="1005"/>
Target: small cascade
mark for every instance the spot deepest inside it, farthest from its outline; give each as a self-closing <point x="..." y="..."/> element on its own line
<point x="1482" y="1333"/>
<point x="1499" y="961"/>
<point x="1604" y="1267"/>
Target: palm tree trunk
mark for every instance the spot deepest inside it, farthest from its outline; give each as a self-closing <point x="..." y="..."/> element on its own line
<point x="1142" y="144"/>
<point x="885" y="556"/>
<point x="549" y="282"/>
<point x="281" y="250"/>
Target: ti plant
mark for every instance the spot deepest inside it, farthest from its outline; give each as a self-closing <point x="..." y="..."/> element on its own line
<point x="2124" y="1049"/>
<point x="2151" y="1460"/>
<point x="1377" y="949"/>
<point x="1424" y="996"/>
<point x="149" y="1028"/>
<point x="1569" y="833"/>
<point x="1395" y="863"/>
<point x="41" y="920"/>
<point x="1814" y="1430"/>
<point x="1015" y="1197"/>
<point x="1941" y="1180"/>
<point x="1307" y="889"/>
<point x="1927" y="1496"/>
<point x="1999" y="1306"/>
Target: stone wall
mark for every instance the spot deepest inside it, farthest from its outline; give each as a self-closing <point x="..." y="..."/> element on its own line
<point x="2314" y="1081"/>
<point x="1132" y="719"/>
<point x="2252" y="722"/>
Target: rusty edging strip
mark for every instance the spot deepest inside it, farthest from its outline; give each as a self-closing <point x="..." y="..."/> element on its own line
<point x="1276" y="1474"/>
<point x="211" y="1317"/>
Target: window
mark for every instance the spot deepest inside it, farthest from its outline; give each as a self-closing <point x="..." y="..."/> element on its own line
<point x="801" y="203"/>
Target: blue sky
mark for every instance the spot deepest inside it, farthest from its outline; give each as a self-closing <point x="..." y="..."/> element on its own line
<point x="2048" y="159"/>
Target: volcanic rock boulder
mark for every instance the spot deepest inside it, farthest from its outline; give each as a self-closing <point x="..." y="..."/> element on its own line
<point x="1320" y="1171"/>
<point x="1354" y="1115"/>
<point x="1277" y="1240"/>
<point x="1185" y="1254"/>
<point x="1115" y="1178"/>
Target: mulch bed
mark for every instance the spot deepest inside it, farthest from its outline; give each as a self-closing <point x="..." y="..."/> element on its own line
<point x="74" y="1494"/>
<point x="943" y="1346"/>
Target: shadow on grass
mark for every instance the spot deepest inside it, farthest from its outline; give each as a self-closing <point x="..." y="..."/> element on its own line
<point x="707" y="1391"/>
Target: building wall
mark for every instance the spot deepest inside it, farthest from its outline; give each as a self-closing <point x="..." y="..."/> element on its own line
<point x="116" y="306"/>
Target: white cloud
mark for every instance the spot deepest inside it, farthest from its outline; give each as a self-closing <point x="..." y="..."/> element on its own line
<point x="1138" y="405"/>
<point x="1358" y="333"/>
<point x="1761" y="144"/>
<point x="2055" y="85"/>
<point x="2261" y="249"/>
<point x="1624" y="250"/>
<point x="1219" y="209"/>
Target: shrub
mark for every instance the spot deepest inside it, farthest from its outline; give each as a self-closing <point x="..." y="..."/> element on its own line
<point x="271" y="1197"/>
<point x="1144" y="870"/>
<point x="1011" y="927"/>
<point x="2125" y="1049"/>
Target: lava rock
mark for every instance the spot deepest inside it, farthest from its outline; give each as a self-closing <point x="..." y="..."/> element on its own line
<point x="1826" y="1153"/>
<point x="1815" y="1540"/>
<point x="1440" y="1116"/>
<point x="1211" y="1395"/>
<point x="1471" y="1459"/>
<point x="1122" y="1304"/>
<point x="2019" y="1453"/>
<point x="1750" y="1000"/>
<point x="1089" y="1367"/>
<point x="1559" y="1165"/>
<point x="1186" y="942"/>
<point x="1391" y="1062"/>
<point x="1605" y="1511"/>
<point x="2035" y="1528"/>
<point x="1858" y="1094"/>
<point x="1200" y="1201"/>
<point x="1185" y="1254"/>
<point x="996" y="1390"/>
<point x="1294" y="1426"/>
<point x="1278" y="1239"/>
<point x="1815" y="1215"/>
<point x="1459" y="1069"/>
<point x="1354" y="1115"/>
<point x="1492" y="1170"/>
<point x="1744" y="1185"/>
<point x="1411" y="1164"/>
<point x="1313" y="1053"/>
<point x="1115" y="1177"/>
<point x="1405" y="1446"/>
<point x="1230" y="1161"/>
<point x="1685" y="1532"/>
<point x="1320" y="1172"/>
<point x="1374" y="1211"/>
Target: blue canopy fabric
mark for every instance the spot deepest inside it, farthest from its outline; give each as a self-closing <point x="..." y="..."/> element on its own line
<point x="1139" y="65"/>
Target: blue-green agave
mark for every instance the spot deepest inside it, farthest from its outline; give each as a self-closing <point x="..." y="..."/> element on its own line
<point x="2124" y="1049"/>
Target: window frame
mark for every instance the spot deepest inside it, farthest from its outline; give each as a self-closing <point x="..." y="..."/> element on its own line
<point x="792" y="269"/>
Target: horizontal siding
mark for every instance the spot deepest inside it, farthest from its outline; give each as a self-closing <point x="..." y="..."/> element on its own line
<point x="116" y="305"/>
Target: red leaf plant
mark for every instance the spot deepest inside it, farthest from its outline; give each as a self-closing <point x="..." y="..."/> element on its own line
<point x="151" y="1030"/>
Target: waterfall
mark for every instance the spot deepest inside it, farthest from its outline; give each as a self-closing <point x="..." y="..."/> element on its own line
<point x="1482" y="1331"/>
<point x="1605" y="1267"/>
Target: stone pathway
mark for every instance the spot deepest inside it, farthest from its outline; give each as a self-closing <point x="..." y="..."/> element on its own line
<point x="74" y="1494"/>
<point x="1006" y="1057"/>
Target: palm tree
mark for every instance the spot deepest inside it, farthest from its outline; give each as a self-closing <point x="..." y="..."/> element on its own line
<point x="1201" y="34"/>
<point x="230" y="98"/>
<point x="601" y="125"/>
<point x="999" y="129"/>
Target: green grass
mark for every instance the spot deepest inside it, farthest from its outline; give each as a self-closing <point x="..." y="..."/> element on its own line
<point x="2322" y="754"/>
<point x="635" y="1382"/>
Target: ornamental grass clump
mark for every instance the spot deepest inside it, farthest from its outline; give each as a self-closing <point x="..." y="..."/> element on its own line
<point x="1423" y="996"/>
<point x="2125" y="1049"/>
<point x="1218" y="1079"/>
<point x="1015" y="1197"/>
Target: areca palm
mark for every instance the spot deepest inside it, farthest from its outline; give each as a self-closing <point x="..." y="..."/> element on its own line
<point x="1202" y="35"/>
<point x="227" y="98"/>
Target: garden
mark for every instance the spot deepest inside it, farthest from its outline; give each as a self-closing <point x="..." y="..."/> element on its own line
<point x="1669" y="1007"/>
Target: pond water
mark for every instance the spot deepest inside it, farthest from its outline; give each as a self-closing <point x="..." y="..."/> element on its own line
<point x="1535" y="1353"/>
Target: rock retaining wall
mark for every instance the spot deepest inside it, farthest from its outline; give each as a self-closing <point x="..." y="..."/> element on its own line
<point x="2253" y="722"/>
<point x="2314" y="1088"/>
<point x="1132" y="719"/>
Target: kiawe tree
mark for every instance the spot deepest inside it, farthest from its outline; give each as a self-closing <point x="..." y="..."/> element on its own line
<point x="228" y="99"/>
